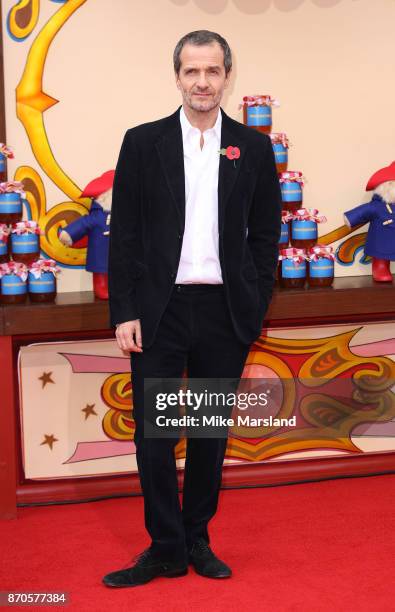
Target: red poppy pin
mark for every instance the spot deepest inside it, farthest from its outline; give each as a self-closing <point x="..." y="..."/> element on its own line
<point x="231" y="153"/>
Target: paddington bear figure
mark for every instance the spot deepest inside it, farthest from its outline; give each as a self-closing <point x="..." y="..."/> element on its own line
<point x="96" y="226"/>
<point x="380" y="214"/>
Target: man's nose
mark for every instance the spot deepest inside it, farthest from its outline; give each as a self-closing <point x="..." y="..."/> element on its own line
<point x="202" y="81"/>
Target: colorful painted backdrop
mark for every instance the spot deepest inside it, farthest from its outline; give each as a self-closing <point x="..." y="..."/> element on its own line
<point x="78" y="73"/>
<point x="77" y="406"/>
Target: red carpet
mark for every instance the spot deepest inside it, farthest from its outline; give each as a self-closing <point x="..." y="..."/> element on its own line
<point x="322" y="546"/>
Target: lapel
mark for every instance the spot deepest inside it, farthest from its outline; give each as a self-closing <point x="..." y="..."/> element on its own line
<point x="228" y="172"/>
<point x="171" y="153"/>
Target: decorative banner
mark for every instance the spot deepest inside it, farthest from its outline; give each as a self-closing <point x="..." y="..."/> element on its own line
<point x="76" y="401"/>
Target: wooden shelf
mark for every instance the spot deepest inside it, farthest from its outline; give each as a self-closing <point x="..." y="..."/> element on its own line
<point x="81" y="311"/>
<point x="351" y="296"/>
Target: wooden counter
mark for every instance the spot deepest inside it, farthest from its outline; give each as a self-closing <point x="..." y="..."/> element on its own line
<point x="81" y="311"/>
<point x="78" y="315"/>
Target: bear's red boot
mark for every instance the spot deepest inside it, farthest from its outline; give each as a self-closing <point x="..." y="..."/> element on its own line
<point x="100" y="285"/>
<point x="381" y="270"/>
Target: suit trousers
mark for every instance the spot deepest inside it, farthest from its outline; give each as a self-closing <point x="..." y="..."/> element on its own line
<point x="195" y="332"/>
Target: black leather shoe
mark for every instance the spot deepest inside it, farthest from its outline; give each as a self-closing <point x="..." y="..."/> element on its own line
<point x="205" y="562"/>
<point x="145" y="569"/>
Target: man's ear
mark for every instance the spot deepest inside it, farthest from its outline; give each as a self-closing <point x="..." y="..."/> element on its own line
<point x="227" y="79"/>
<point x="177" y="80"/>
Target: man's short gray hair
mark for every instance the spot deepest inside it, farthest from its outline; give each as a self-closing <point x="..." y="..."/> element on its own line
<point x="199" y="38"/>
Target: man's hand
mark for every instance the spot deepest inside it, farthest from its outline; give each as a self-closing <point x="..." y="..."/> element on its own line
<point x="128" y="336"/>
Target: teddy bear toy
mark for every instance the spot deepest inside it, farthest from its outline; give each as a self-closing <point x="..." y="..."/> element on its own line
<point x="380" y="214"/>
<point x="96" y="226"/>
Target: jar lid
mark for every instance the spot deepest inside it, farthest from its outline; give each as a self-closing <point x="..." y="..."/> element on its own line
<point x="258" y="100"/>
<point x="308" y="214"/>
<point x="320" y="250"/>
<point x="14" y="267"/>
<point x="43" y="265"/>
<point x="279" y="138"/>
<point x="25" y="227"/>
<point x="297" y="255"/>
<point x="12" y="187"/>
<point x="292" y="176"/>
<point x="286" y="216"/>
<point x="6" y="151"/>
<point x="4" y="231"/>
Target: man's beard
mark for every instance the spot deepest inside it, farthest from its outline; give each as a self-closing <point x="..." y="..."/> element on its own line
<point x="201" y="106"/>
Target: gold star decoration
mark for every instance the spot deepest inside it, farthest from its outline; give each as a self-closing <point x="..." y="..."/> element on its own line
<point x="89" y="409"/>
<point x="49" y="440"/>
<point x="46" y="378"/>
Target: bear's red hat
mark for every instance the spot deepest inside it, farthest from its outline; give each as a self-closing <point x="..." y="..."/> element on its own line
<point x="381" y="176"/>
<point x="99" y="185"/>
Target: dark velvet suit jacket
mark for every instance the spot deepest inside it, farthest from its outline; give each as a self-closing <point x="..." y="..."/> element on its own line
<point x="148" y="216"/>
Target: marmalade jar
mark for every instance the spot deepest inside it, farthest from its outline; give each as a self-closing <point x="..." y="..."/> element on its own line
<point x="5" y="153"/>
<point x="4" y="238"/>
<point x="280" y="146"/>
<point x="10" y="207"/>
<point x="257" y="112"/>
<point x="303" y="233"/>
<point x="3" y="166"/>
<point x="284" y="237"/>
<point x="42" y="289"/>
<point x="304" y="227"/>
<point x="321" y="268"/>
<point x="292" y="269"/>
<point x="13" y="289"/>
<point x="25" y="242"/>
<point x="291" y="183"/>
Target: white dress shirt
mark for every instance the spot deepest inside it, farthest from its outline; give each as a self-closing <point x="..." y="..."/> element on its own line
<point x="199" y="260"/>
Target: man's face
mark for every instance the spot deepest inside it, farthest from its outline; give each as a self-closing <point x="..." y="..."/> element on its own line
<point x="202" y="79"/>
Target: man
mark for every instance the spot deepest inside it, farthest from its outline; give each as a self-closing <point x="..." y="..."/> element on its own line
<point x="193" y="250"/>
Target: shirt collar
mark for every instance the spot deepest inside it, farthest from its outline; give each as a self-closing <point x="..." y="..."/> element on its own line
<point x="188" y="129"/>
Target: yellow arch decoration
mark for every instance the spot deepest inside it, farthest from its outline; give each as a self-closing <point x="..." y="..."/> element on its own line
<point x="32" y="102"/>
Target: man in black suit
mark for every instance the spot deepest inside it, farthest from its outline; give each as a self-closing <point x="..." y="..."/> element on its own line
<point x="193" y="252"/>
